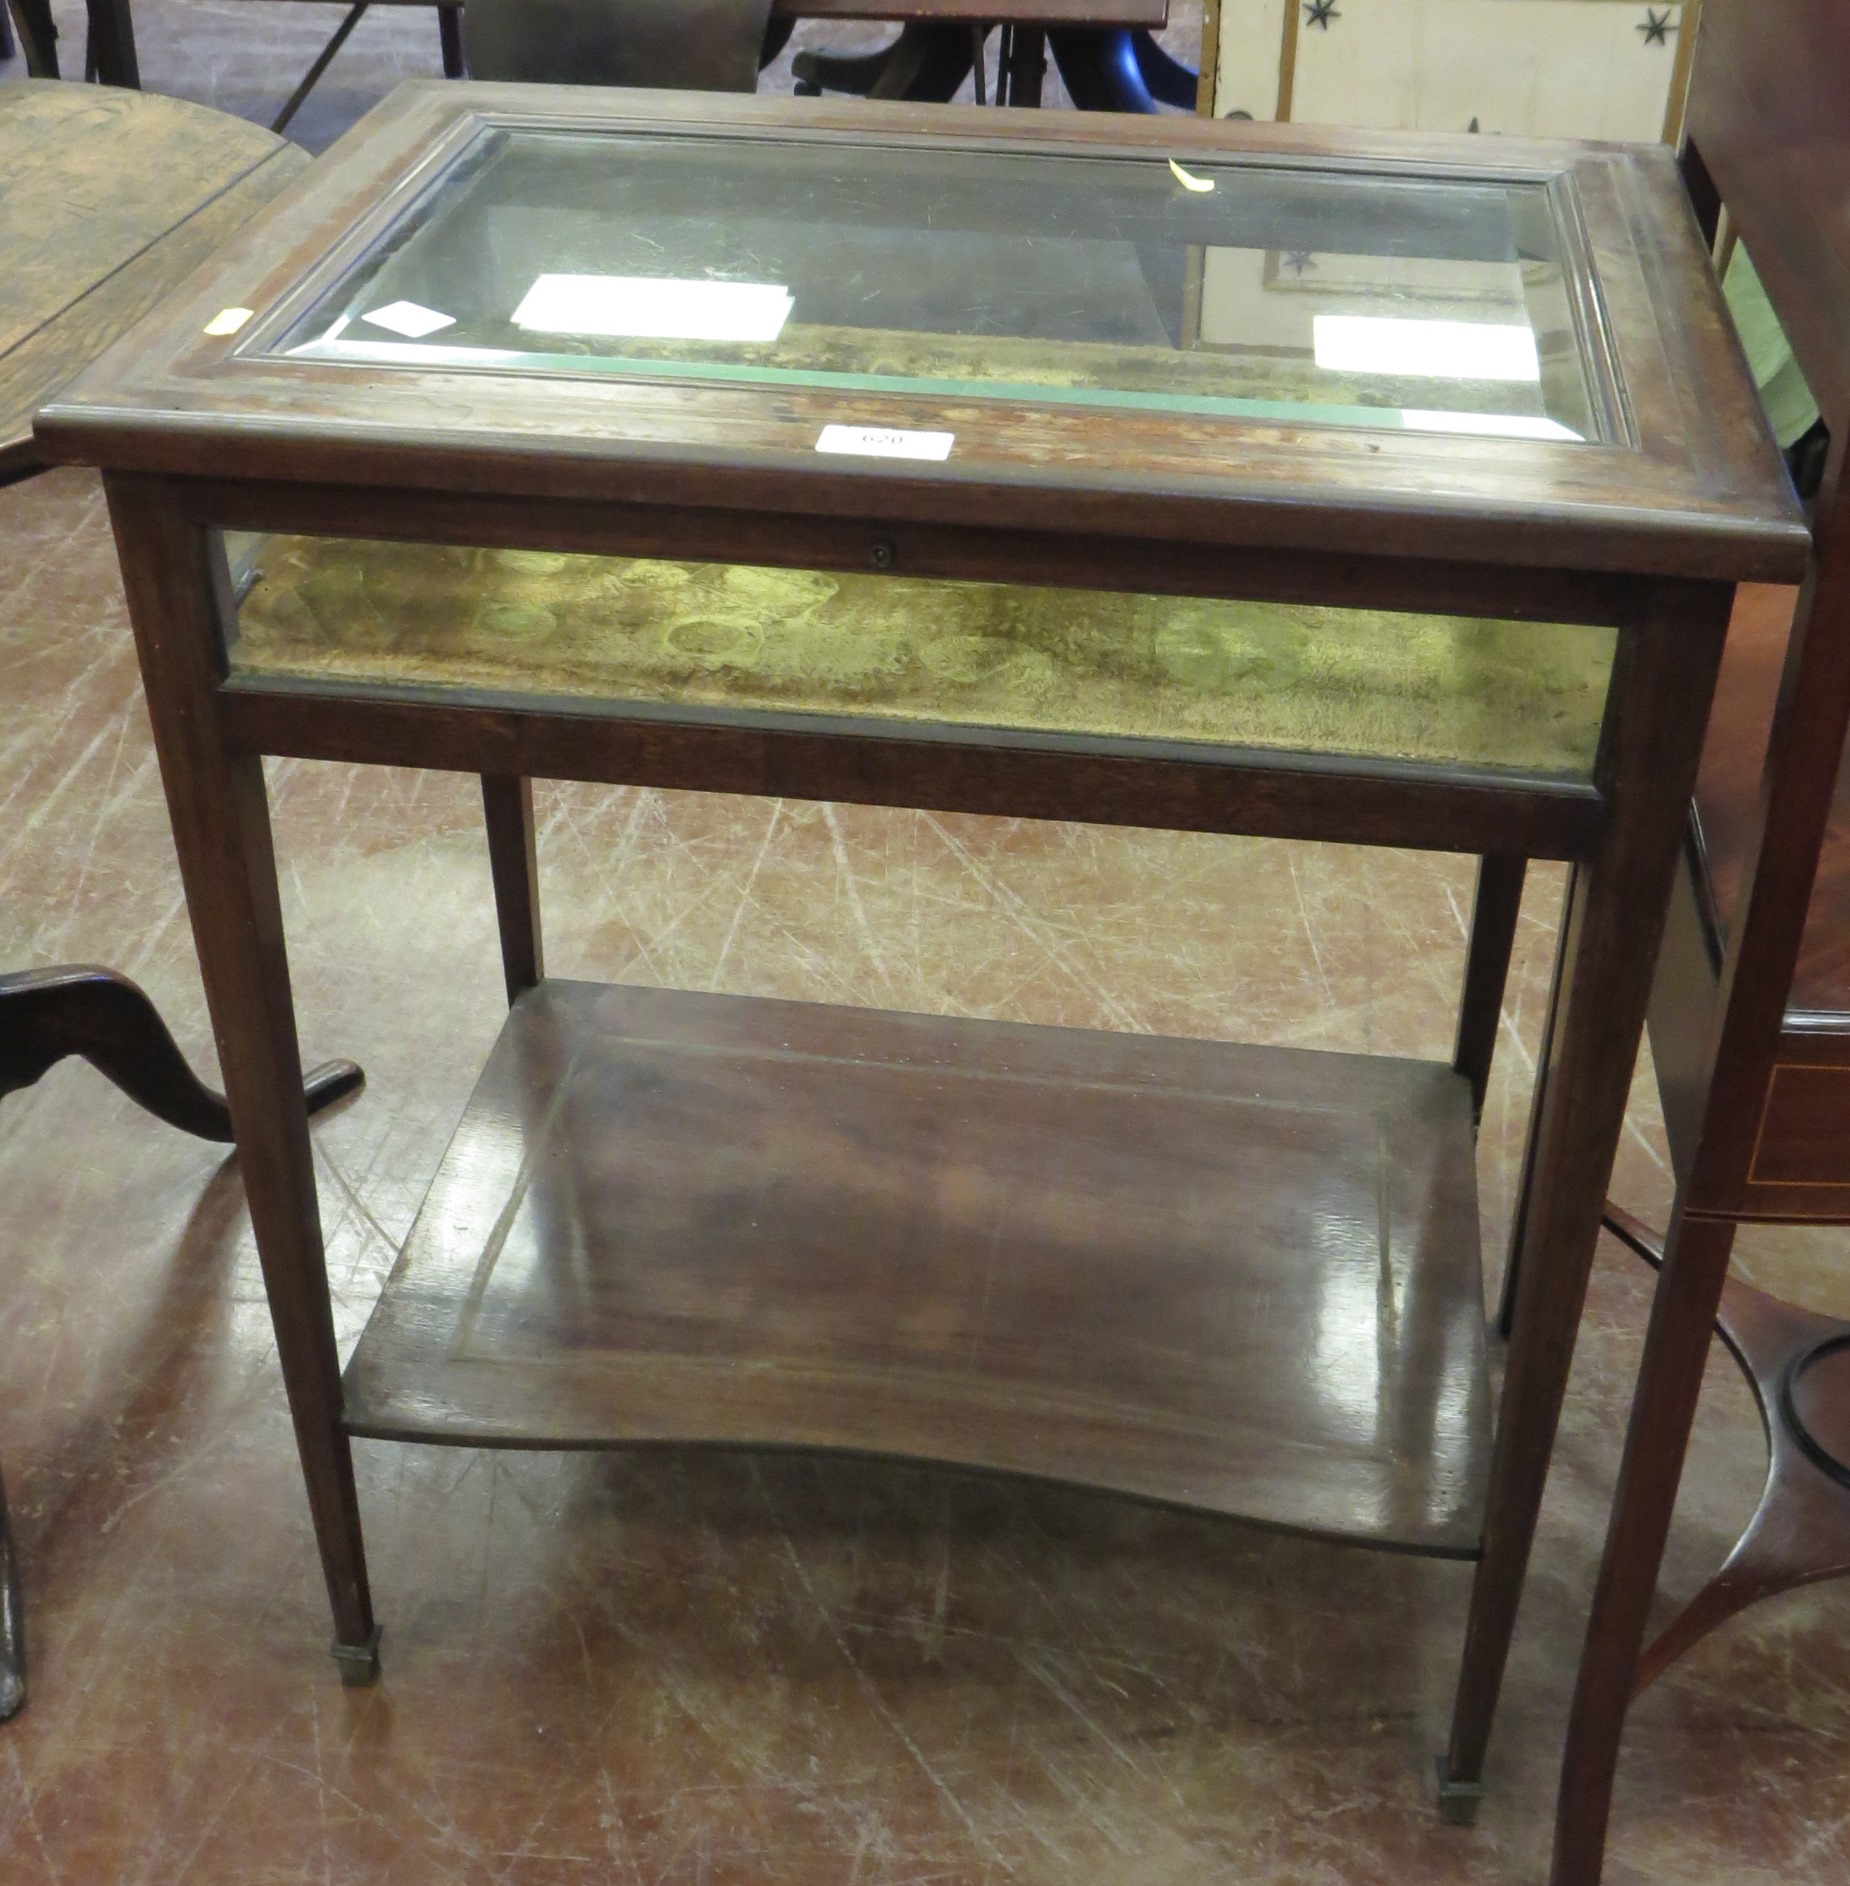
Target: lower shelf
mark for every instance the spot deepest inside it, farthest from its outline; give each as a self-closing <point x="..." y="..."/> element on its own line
<point x="1239" y="1279"/>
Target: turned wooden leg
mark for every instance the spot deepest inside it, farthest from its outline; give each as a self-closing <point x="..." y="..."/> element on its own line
<point x="46" y="1014"/>
<point x="1689" y="1291"/>
<point x="179" y="601"/>
<point x="1662" y="682"/>
<point x="1487" y="967"/>
<point x="513" y="863"/>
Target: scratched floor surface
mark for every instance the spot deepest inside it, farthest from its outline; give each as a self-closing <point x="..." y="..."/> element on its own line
<point x="720" y="1668"/>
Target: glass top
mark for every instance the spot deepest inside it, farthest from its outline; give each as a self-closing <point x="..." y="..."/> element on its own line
<point x="1215" y="288"/>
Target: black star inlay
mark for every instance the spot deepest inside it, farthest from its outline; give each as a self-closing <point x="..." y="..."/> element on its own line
<point x="1656" y="27"/>
<point x="1299" y="260"/>
<point x="1320" y="13"/>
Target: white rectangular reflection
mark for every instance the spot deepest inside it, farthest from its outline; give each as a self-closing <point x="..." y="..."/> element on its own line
<point x="1427" y="350"/>
<point x="640" y="307"/>
<point x="1492" y="425"/>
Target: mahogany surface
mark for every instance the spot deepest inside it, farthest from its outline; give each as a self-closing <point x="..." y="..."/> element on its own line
<point x="1732" y="757"/>
<point x="111" y="199"/>
<point x="1749" y="1012"/>
<point x="1647" y="534"/>
<point x="1699" y="494"/>
<point x="1241" y="1279"/>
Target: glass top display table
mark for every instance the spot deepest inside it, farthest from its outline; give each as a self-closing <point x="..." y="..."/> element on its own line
<point x="1218" y="477"/>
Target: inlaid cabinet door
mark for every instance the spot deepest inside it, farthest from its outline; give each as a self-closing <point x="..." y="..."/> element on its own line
<point x="1538" y="68"/>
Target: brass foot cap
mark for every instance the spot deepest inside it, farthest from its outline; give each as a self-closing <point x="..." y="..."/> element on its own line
<point x="359" y="1663"/>
<point x="1458" y="1800"/>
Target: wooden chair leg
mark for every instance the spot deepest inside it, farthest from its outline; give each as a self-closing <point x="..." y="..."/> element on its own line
<point x="1683" y="1315"/>
<point x="110" y="56"/>
<point x="38" y="36"/>
<point x="450" y="39"/>
<point x="513" y="863"/>
<point x="1487" y="967"/>
<point x="47" y="1014"/>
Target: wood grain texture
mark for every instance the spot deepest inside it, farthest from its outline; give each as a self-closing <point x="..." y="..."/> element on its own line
<point x="221" y="826"/>
<point x="1620" y="896"/>
<point x="1262" y="794"/>
<point x="1727" y="803"/>
<point x="1775" y="144"/>
<point x="1804" y="1136"/>
<point x="1758" y="1085"/>
<point x="111" y="200"/>
<point x="1700" y="492"/>
<point x="1135" y="503"/>
<point x="1233" y="1278"/>
<point x="513" y="865"/>
<point x="1689" y="1293"/>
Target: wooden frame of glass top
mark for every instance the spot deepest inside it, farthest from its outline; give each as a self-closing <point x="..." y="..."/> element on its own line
<point x="1179" y="1219"/>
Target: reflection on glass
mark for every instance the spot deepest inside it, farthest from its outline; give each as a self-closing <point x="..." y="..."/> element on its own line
<point x="1100" y="281"/>
<point x="727" y="641"/>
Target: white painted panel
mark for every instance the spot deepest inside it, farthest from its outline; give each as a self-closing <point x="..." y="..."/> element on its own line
<point x="1246" y="68"/>
<point x="1544" y="68"/>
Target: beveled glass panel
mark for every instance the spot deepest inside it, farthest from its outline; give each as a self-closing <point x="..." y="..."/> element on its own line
<point x="735" y="643"/>
<point x="1226" y="288"/>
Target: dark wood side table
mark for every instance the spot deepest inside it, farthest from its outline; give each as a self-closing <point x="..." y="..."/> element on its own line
<point x="1750" y="1015"/>
<point x="986" y="462"/>
<point x="113" y="198"/>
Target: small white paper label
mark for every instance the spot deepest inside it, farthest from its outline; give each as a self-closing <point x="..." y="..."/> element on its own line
<point x="880" y="442"/>
<point x="228" y="320"/>
<point x="408" y="319"/>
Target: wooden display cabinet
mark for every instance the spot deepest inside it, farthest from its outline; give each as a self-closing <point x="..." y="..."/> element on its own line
<point x="878" y="454"/>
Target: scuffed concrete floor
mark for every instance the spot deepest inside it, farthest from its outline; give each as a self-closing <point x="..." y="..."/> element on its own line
<point x="721" y="1668"/>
